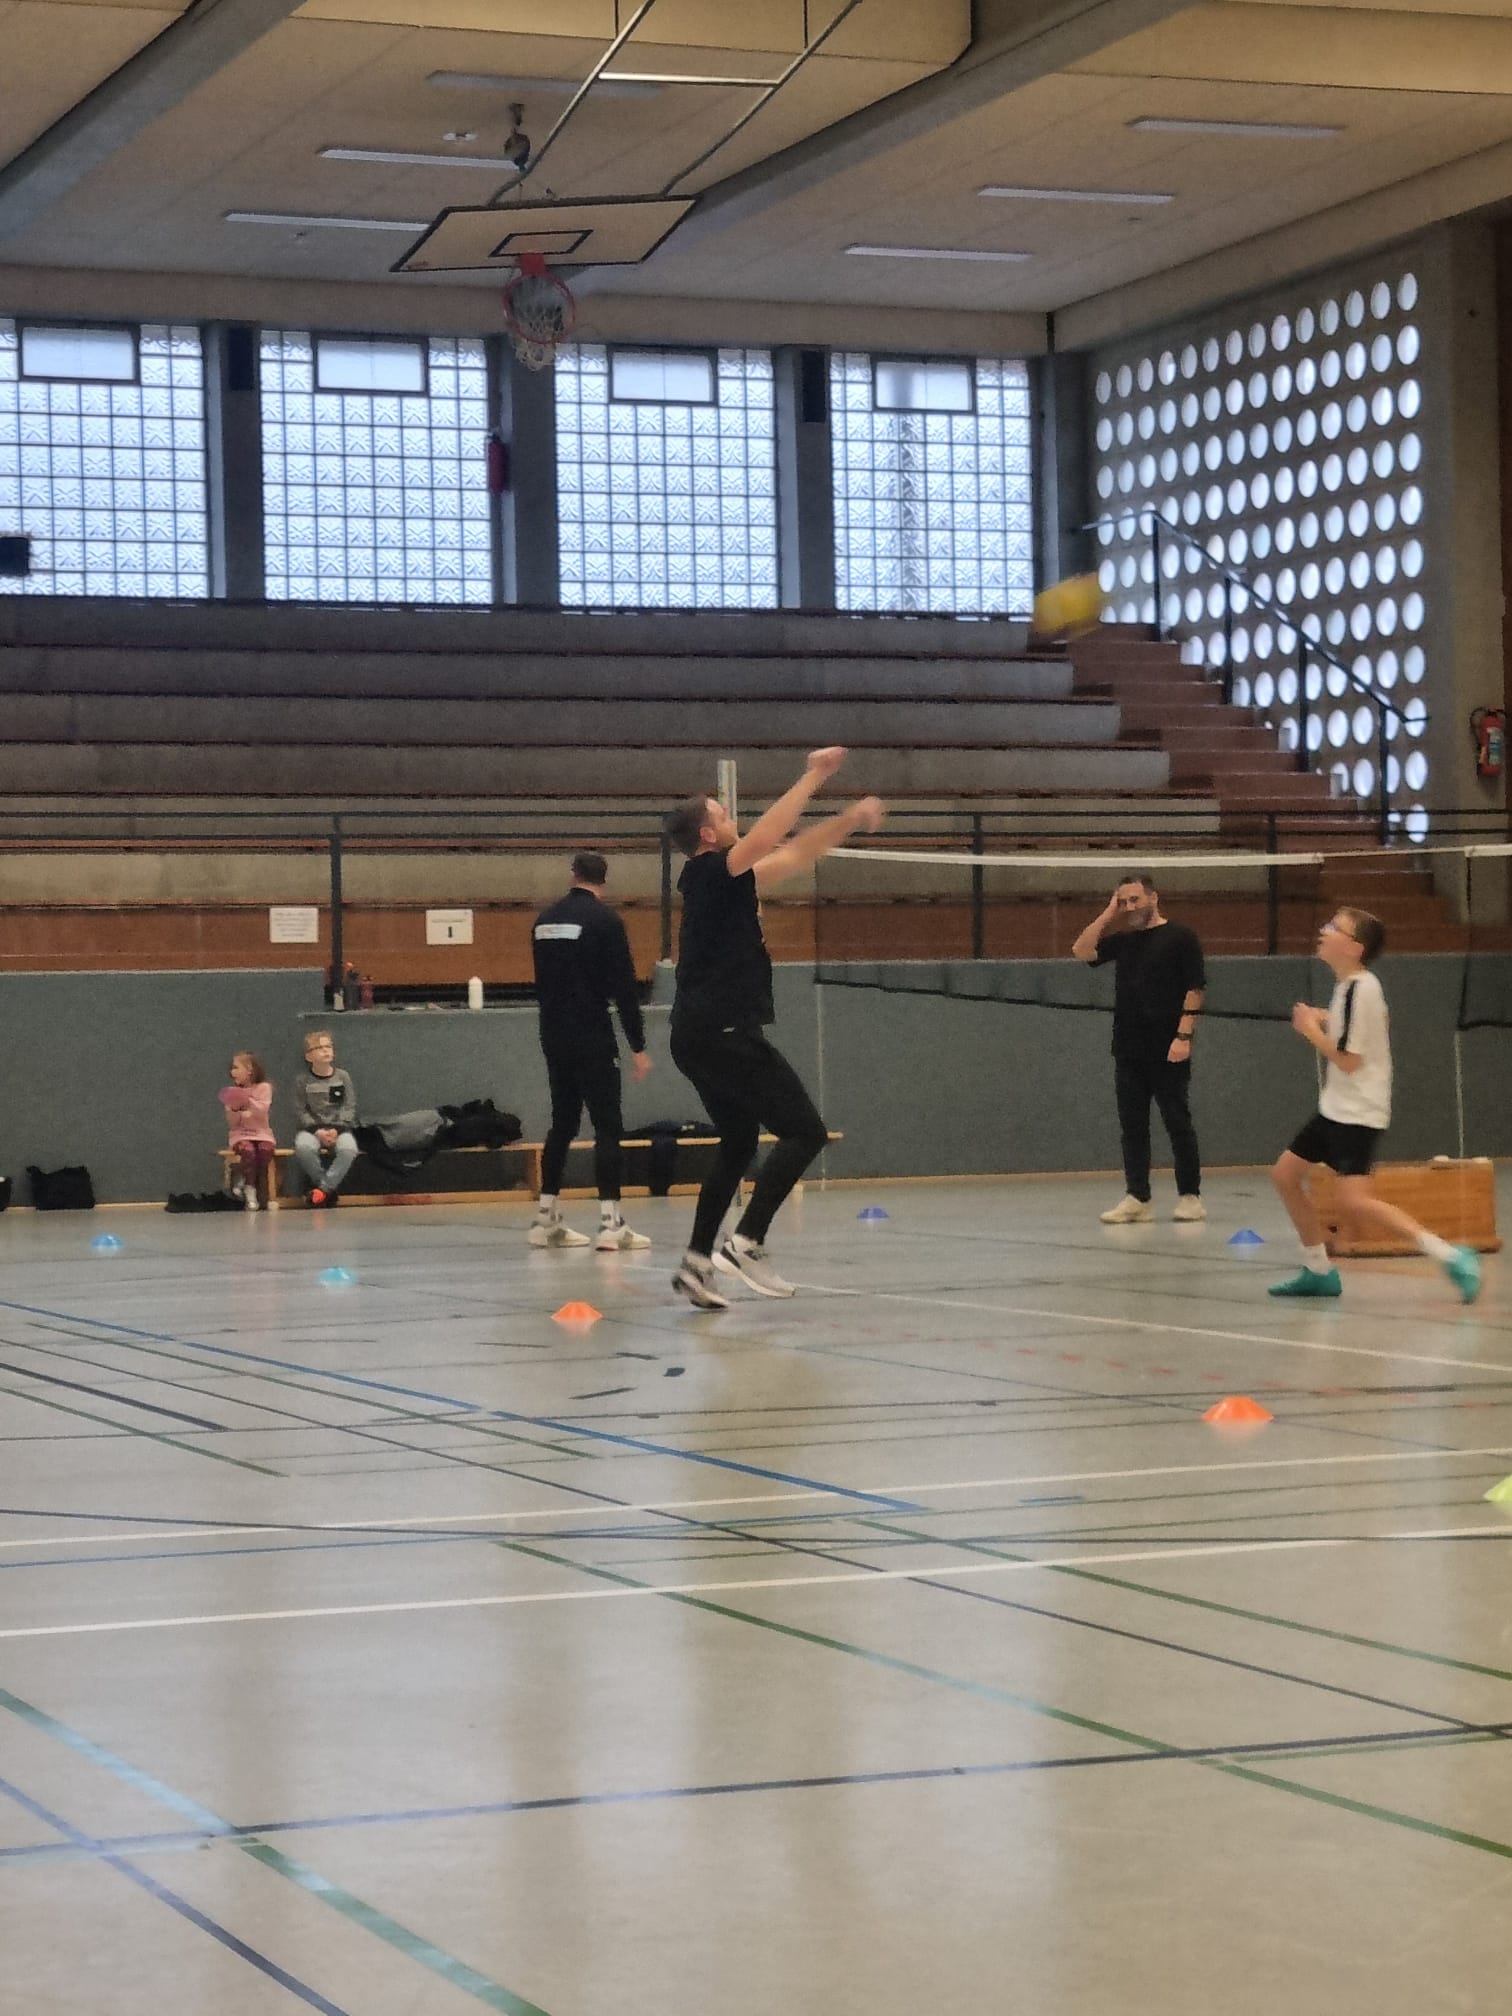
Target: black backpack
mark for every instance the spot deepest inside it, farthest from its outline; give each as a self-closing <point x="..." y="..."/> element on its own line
<point x="61" y="1189"/>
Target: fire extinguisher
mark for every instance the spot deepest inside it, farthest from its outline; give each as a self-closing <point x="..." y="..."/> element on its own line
<point x="496" y="462"/>
<point x="1489" y="727"/>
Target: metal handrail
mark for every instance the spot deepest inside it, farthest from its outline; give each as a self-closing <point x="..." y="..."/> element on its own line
<point x="1308" y="648"/>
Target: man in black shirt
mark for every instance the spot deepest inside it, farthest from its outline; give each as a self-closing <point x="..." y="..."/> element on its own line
<point x="582" y="963"/>
<point x="723" y="1005"/>
<point x="1157" y="997"/>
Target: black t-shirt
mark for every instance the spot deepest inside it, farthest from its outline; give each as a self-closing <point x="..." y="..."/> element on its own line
<point x="724" y="971"/>
<point x="1154" y="971"/>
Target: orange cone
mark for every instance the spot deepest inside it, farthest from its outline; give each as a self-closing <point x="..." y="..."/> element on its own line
<point x="1238" y="1407"/>
<point x="577" y="1312"/>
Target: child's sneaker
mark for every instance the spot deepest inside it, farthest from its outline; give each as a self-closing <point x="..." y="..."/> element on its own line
<point x="1306" y="1282"/>
<point x="249" y="1201"/>
<point x="1464" y="1270"/>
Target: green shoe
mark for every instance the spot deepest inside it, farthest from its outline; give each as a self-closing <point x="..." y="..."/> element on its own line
<point x="1308" y="1283"/>
<point x="1464" y="1270"/>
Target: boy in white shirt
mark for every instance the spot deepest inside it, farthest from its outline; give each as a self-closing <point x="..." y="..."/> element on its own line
<point x="1353" y="1035"/>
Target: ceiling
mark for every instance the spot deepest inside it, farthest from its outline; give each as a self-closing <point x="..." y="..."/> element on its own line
<point x="128" y="132"/>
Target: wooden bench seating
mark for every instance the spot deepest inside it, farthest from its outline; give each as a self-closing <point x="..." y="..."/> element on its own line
<point x="533" y="1150"/>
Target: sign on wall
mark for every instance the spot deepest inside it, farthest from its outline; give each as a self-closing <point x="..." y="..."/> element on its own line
<point x="448" y="927"/>
<point x="294" y="924"/>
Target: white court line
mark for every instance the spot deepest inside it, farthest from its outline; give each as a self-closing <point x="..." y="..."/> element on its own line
<point x="761" y="1498"/>
<point x="1160" y="1329"/>
<point x="945" y="1572"/>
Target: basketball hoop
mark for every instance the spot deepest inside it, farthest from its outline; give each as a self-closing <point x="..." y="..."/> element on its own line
<point x="540" y="311"/>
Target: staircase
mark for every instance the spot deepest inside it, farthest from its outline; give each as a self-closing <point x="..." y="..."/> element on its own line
<point x="1224" y="751"/>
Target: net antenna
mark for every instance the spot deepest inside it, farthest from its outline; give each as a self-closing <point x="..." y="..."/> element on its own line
<point x="540" y="311"/>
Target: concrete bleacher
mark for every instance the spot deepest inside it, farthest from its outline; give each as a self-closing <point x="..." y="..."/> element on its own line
<point x="451" y="721"/>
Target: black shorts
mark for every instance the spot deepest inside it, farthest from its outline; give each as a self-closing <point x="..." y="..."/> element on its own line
<point x="1348" y="1150"/>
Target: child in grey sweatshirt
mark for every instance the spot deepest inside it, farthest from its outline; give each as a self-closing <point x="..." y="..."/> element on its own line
<point x="325" y="1103"/>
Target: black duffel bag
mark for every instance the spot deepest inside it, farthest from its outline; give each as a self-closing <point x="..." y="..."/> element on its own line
<point x="61" y="1189"/>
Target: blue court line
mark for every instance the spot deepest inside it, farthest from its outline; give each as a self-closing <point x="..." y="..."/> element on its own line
<point x="74" y="1839"/>
<point x="180" y="1839"/>
<point x="483" y="1413"/>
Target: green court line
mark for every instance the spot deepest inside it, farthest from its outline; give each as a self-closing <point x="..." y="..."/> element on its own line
<point x="1199" y="1602"/>
<point x="423" y="1951"/>
<point x="144" y="1434"/>
<point x="985" y="1691"/>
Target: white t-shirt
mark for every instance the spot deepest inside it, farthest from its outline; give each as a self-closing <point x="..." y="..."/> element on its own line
<point x="1358" y="1023"/>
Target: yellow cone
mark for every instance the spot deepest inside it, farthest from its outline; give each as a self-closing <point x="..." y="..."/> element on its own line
<point x="1500" y="1494"/>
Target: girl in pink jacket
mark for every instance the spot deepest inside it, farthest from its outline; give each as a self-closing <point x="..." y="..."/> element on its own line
<point x="247" y="1100"/>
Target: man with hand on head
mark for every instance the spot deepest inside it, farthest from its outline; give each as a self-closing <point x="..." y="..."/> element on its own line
<point x="1157" y="997"/>
<point x="582" y="964"/>
<point x="723" y="1006"/>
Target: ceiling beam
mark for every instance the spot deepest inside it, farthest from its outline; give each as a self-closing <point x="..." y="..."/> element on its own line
<point x="1044" y="38"/>
<point x="187" y="54"/>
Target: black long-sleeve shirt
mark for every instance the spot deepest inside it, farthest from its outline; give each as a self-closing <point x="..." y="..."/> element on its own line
<point x="582" y="964"/>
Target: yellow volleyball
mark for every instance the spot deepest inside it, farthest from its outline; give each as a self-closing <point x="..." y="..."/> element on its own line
<point x="1069" y="608"/>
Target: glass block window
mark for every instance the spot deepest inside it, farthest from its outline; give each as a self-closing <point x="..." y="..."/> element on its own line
<point x="666" y="503"/>
<point x="376" y="495"/>
<point x="933" y="509"/>
<point x="1290" y="444"/>
<point x="107" y="478"/>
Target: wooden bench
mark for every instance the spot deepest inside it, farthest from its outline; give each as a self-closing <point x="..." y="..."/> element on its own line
<point x="533" y="1149"/>
<point x="1457" y="1200"/>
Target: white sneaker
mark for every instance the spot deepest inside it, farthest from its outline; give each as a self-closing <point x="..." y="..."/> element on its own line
<point x="695" y="1279"/>
<point x="1189" y="1211"/>
<point x="620" y="1239"/>
<point x="553" y="1233"/>
<point x="249" y="1201"/>
<point x="744" y="1257"/>
<point x="1130" y="1212"/>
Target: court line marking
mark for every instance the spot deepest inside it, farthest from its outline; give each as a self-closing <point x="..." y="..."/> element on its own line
<point x="74" y="1838"/>
<point x="868" y="1575"/>
<point x="482" y="1413"/>
<point x="1159" y="1329"/>
<point x="212" y="1531"/>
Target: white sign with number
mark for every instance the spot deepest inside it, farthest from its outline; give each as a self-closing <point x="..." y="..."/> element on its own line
<point x="294" y="924"/>
<point x="448" y="927"/>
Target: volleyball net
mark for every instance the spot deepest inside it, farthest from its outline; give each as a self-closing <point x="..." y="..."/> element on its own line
<point x="1000" y="926"/>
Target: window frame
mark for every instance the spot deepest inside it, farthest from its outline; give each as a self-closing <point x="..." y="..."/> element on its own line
<point x="968" y="411"/>
<point x="708" y="351"/>
<point x="24" y="324"/>
<point x="319" y="337"/>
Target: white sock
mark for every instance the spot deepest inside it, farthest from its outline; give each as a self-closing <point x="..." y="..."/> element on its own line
<point x="609" y="1213"/>
<point x="1315" y="1259"/>
<point x="1436" y="1248"/>
<point x="548" y="1210"/>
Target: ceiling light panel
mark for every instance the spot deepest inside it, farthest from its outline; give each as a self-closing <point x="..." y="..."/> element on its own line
<point x="1258" y="129"/>
<point x="934" y="252"/>
<point x="1078" y="195"/>
<point x="395" y="159"/>
<point x="297" y="223"/>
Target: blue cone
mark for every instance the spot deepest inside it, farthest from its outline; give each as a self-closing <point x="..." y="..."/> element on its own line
<point x="106" y="1242"/>
<point x="336" y="1277"/>
<point x="873" y="1215"/>
<point x="1245" y="1237"/>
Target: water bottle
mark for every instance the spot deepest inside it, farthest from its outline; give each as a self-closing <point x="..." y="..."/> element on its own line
<point x="475" y="992"/>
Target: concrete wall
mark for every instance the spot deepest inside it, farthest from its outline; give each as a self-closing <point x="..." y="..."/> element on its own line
<point x="120" y="1070"/>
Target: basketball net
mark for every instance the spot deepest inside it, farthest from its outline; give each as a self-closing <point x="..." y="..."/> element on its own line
<point x="540" y="311"/>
